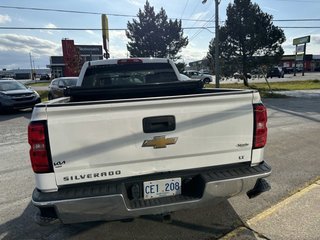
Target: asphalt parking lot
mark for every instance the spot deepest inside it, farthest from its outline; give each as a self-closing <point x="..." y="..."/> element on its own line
<point x="292" y="151"/>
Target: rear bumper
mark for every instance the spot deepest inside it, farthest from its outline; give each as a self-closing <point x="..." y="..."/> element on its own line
<point x="111" y="201"/>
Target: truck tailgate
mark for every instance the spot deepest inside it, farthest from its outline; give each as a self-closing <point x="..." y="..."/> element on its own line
<point x="104" y="140"/>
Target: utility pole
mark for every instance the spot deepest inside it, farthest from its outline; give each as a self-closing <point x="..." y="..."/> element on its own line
<point x="31" y="66"/>
<point x="216" y="43"/>
<point x="34" y="71"/>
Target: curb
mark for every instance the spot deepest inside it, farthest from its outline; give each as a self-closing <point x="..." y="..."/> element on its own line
<point x="246" y="232"/>
<point x="281" y="204"/>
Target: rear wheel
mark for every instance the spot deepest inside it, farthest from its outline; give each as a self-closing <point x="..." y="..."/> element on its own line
<point x="206" y="80"/>
<point x="50" y="97"/>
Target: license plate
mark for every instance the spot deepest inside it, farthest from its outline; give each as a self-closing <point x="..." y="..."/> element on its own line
<point x="162" y="188"/>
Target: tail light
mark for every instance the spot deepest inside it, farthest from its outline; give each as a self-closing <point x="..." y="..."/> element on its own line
<point x="129" y="61"/>
<point x="260" y="126"/>
<point x="39" y="147"/>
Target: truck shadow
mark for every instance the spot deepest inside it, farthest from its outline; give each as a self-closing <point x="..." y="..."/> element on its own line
<point x="211" y="222"/>
<point x="306" y="108"/>
<point x="9" y="115"/>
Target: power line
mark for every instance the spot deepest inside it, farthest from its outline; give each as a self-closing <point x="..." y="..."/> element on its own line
<point x="62" y="11"/>
<point x="85" y="12"/>
<point x="195" y="8"/>
<point x="185" y="6"/>
<point x="204" y="26"/>
<point x="134" y="16"/>
<point x="60" y="29"/>
<point x="301" y="27"/>
<point x="293" y="20"/>
<point x="298" y="20"/>
<point x="82" y="29"/>
<point x="300" y="1"/>
<point x="123" y="29"/>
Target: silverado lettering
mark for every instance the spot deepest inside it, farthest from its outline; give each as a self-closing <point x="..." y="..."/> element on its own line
<point x="91" y="175"/>
<point x="128" y="114"/>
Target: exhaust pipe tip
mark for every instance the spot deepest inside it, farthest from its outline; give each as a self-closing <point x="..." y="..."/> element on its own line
<point x="261" y="186"/>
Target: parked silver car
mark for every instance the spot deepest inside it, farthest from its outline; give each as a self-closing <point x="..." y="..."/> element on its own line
<point x="58" y="85"/>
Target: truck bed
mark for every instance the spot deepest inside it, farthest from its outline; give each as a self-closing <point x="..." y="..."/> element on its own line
<point x="177" y="88"/>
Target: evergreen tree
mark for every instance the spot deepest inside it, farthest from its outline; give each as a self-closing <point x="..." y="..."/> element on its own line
<point x="153" y="35"/>
<point x="248" y="39"/>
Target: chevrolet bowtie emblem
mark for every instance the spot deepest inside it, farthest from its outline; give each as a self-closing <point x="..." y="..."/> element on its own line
<point x="159" y="142"/>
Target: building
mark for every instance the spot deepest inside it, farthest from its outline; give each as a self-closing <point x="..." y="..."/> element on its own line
<point x="311" y="62"/>
<point x="73" y="58"/>
<point x="23" y="73"/>
<point x="57" y="66"/>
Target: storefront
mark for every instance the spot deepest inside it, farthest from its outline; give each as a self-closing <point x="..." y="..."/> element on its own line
<point x="311" y="62"/>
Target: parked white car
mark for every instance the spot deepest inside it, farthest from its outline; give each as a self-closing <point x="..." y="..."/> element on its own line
<point x="194" y="74"/>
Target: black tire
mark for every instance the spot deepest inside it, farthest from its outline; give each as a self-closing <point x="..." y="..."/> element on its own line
<point x="50" y="97"/>
<point x="206" y="80"/>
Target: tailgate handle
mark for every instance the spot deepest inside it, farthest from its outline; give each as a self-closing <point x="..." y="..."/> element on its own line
<point x="159" y="124"/>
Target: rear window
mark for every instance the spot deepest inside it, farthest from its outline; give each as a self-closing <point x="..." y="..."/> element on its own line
<point x="128" y="74"/>
<point x="70" y="82"/>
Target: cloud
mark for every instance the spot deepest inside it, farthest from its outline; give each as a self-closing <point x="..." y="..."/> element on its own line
<point x="192" y="53"/>
<point x="50" y="25"/>
<point x="312" y="47"/>
<point x="118" y="44"/>
<point x="138" y="3"/>
<point x="16" y="60"/>
<point x="90" y="32"/>
<point x="118" y="52"/>
<point x="116" y="36"/>
<point x="199" y="15"/>
<point x="26" y="44"/>
<point x="4" y="19"/>
<point x="315" y="39"/>
<point x="15" y="50"/>
<point x="269" y="9"/>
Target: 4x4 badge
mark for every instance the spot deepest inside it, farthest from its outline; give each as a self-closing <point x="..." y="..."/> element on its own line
<point x="159" y="142"/>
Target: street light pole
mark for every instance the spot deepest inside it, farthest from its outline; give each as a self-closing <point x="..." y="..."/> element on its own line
<point x="216" y="43"/>
<point x="216" y="55"/>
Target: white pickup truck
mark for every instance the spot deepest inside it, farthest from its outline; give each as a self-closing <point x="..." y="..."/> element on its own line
<point x="131" y="139"/>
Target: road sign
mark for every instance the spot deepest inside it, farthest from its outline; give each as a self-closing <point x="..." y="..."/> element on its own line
<point x="301" y="40"/>
<point x="300" y="48"/>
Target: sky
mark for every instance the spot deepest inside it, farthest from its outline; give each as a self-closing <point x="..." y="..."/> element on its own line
<point x="16" y="46"/>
